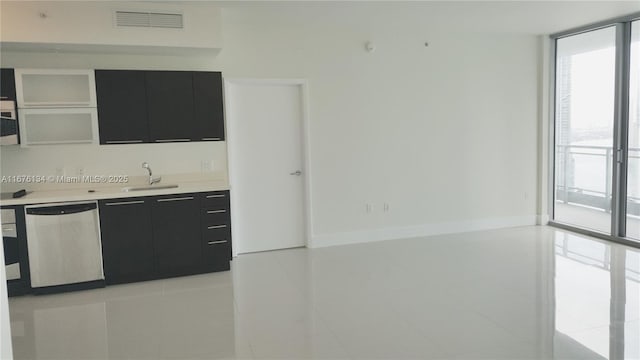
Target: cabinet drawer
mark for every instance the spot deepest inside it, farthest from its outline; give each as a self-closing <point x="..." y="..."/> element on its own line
<point x="216" y="233"/>
<point x="215" y="217"/>
<point x="216" y="255"/>
<point x="216" y="201"/>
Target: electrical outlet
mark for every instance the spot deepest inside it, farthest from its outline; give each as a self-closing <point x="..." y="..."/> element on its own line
<point x="206" y="166"/>
<point x="385" y="207"/>
<point x="80" y="171"/>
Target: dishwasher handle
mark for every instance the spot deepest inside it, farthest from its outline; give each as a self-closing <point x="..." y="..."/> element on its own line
<point x="61" y="210"/>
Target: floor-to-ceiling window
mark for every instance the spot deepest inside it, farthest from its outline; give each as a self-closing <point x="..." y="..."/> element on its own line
<point x="585" y="97"/>
<point x="597" y="128"/>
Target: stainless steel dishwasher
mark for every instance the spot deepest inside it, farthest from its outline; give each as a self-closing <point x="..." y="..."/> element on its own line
<point x="65" y="251"/>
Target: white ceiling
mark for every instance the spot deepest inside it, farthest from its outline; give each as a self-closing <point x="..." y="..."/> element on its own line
<point x="517" y="16"/>
<point x="532" y="16"/>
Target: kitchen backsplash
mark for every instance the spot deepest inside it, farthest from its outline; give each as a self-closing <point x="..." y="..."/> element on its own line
<point x="63" y="166"/>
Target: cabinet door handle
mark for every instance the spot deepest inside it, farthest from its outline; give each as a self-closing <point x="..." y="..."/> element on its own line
<point x="211" y="139"/>
<point x="9" y="230"/>
<point x="216" y="227"/>
<point x="122" y="141"/>
<point x="216" y="242"/>
<point x="125" y="203"/>
<point x="176" y="199"/>
<point x="215" y="196"/>
<point x="216" y="211"/>
<point x="171" y="140"/>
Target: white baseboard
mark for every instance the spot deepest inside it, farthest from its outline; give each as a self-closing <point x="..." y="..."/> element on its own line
<point x="356" y="237"/>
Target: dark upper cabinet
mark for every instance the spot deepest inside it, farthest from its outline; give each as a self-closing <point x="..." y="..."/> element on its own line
<point x="177" y="237"/>
<point x="127" y="239"/>
<point x="159" y="106"/>
<point x="170" y="105"/>
<point x="122" y="106"/>
<point x="208" y="108"/>
<point x="7" y="84"/>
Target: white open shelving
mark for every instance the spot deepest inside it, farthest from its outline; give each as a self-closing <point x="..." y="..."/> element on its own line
<point x="57" y="106"/>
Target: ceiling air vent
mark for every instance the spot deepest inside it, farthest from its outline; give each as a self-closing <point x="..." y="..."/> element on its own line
<point x="149" y="19"/>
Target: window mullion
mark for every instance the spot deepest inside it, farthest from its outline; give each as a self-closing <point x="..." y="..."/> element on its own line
<point x="621" y="144"/>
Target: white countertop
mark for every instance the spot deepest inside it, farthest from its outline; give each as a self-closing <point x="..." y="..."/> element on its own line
<point x="115" y="192"/>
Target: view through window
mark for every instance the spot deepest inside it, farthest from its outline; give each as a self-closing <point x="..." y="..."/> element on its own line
<point x="585" y="99"/>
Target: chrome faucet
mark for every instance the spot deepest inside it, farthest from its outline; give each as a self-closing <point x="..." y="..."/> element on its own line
<point x="152" y="180"/>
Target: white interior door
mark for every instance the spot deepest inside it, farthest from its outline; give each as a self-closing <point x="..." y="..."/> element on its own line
<point x="264" y="128"/>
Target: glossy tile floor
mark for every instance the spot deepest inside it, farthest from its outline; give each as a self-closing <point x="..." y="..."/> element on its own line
<point x="521" y="293"/>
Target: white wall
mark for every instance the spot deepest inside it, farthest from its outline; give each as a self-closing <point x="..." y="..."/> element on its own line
<point x="446" y="134"/>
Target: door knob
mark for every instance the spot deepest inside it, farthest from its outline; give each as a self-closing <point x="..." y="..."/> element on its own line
<point x="297" y="173"/>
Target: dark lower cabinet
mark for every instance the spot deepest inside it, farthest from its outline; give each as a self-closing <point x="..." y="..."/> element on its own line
<point x="216" y="231"/>
<point x="164" y="236"/>
<point x="216" y="251"/>
<point x="176" y="228"/>
<point x="127" y="240"/>
<point x="16" y="257"/>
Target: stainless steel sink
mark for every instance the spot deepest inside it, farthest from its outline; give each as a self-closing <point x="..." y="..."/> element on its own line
<point x="149" y="187"/>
